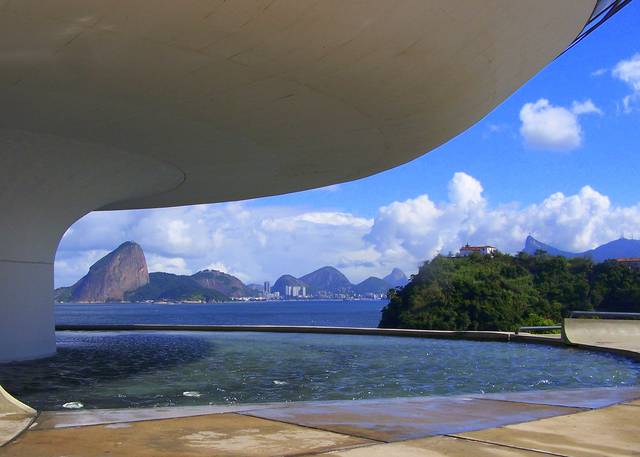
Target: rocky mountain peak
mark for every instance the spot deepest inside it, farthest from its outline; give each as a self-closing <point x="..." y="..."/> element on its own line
<point x="327" y="279"/>
<point x="396" y="278"/>
<point x="119" y="272"/>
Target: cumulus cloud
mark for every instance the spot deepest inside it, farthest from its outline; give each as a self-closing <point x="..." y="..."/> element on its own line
<point x="258" y="243"/>
<point x="175" y="265"/>
<point x="465" y="190"/>
<point x="585" y="107"/>
<point x="628" y="70"/>
<point x="556" y="128"/>
<point x="420" y="228"/>
<point x="73" y="263"/>
<point x="253" y="243"/>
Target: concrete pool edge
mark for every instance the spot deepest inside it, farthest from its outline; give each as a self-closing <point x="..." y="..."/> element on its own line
<point x="582" y="399"/>
<point x="480" y="335"/>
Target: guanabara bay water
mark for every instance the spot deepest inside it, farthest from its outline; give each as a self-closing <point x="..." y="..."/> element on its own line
<point x="335" y="313"/>
<point x="154" y="369"/>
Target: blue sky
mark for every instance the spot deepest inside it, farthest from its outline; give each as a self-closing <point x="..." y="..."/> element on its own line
<point x="558" y="159"/>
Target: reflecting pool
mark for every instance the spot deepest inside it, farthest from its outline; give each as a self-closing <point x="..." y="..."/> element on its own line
<point x="146" y="369"/>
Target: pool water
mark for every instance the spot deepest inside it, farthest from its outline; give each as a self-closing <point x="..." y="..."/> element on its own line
<point x="147" y="369"/>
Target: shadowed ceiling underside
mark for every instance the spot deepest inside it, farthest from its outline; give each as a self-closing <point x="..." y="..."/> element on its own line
<point x="254" y="98"/>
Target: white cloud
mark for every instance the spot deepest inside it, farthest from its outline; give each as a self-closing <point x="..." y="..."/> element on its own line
<point x="258" y="243"/>
<point x="628" y="70"/>
<point x="599" y="72"/>
<point x="556" y="128"/>
<point x="465" y="190"/>
<point x="75" y="264"/>
<point x="253" y="243"/>
<point x="293" y="223"/>
<point x="420" y="228"/>
<point x="219" y="266"/>
<point x="331" y="188"/>
<point x="175" y="265"/>
<point x="585" y="107"/>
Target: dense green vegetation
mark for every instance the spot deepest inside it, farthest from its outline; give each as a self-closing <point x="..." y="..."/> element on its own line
<point x="167" y="286"/>
<point x="504" y="292"/>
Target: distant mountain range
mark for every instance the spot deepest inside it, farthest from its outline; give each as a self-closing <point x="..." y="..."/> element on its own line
<point x="122" y="275"/>
<point x="621" y="247"/>
<point x="329" y="281"/>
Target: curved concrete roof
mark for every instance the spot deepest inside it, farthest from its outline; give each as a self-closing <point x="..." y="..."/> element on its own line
<point x="252" y="98"/>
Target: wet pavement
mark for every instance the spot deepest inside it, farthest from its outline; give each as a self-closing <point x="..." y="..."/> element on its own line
<point x="403" y="419"/>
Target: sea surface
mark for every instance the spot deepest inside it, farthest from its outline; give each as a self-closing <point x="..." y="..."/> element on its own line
<point x="336" y="313"/>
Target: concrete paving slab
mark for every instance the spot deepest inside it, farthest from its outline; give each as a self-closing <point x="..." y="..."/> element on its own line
<point x="435" y="447"/>
<point x="412" y="418"/>
<point x="220" y="435"/>
<point x="11" y="425"/>
<point x="62" y="419"/>
<point x="598" y="397"/>
<point x="611" y="432"/>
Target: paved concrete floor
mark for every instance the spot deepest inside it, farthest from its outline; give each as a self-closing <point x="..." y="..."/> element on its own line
<point x="440" y="446"/>
<point x="462" y="425"/>
<point x="613" y="431"/>
<point x="225" y="434"/>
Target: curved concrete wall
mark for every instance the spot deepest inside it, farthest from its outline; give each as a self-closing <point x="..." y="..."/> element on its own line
<point x="107" y="104"/>
<point x="15" y="417"/>
<point x="602" y="332"/>
<point x="10" y="405"/>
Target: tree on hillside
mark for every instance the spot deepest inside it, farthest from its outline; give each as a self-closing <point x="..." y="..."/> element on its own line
<point x="615" y="287"/>
<point x="503" y="292"/>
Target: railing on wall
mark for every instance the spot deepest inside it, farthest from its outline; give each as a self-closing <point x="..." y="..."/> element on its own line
<point x="538" y="328"/>
<point x="604" y="315"/>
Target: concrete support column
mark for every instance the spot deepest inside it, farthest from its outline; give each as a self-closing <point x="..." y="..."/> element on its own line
<point x="46" y="184"/>
<point x="26" y="310"/>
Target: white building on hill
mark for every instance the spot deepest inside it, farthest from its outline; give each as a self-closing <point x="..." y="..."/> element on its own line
<point x="468" y="250"/>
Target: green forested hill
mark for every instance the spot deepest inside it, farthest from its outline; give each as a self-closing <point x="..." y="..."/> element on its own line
<point x="168" y="286"/>
<point x="503" y="292"/>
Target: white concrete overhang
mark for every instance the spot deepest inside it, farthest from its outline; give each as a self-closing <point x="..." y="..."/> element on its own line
<point x="251" y="98"/>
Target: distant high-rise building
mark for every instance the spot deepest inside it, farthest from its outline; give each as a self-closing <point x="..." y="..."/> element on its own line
<point x="295" y="291"/>
<point x="266" y="289"/>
